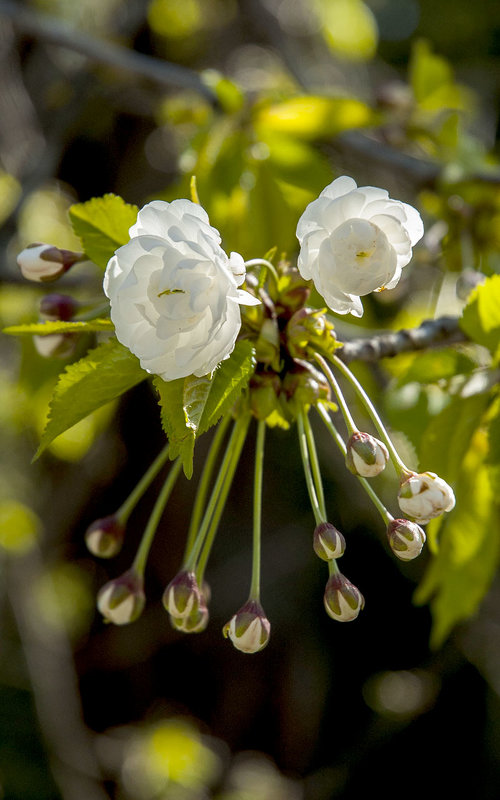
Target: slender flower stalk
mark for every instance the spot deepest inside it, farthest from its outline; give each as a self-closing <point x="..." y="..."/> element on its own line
<point x="257" y="511"/>
<point x="203" y="486"/>
<point x="304" y="452"/>
<point x="140" y="559"/>
<point x="219" y="508"/>
<point x="384" y="513"/>
<point x="313" y="456"/>
<point x="255" y="262"/>
<point x="350" y="424"/>
<point x="399" y="465"/>
<point x="145" y="482"/>
<point x="234" y="445"/>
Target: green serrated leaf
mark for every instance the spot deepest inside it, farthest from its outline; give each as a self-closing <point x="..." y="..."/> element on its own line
<point x="48" y="328"/>
<point x="100" y="376"/>
<point x="102" y="225"/>
<point x="461" y="573"/>
<point x="447" y="437"/>
<point x="481" y="316"/>
<point x="229" y="380"/>
<point x="195" y="394"/>
<point x="173" y="419"/>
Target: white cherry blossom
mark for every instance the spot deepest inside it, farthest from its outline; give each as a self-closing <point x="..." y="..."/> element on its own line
<point x="355" y="241"/>
<point x="174" y="294"/>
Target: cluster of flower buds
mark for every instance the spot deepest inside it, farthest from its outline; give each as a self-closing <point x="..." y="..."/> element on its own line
<point x="248" y="629"/>
<point x="45" y="262"/>
<point x="186" y="603"/>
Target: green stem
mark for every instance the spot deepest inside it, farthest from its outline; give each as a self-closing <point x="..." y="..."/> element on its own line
<point x="235" y="443"/>
<point x="254" y="262"/>
<point x="257" y="511"/>
<point x="135" y="495"/>
<point x="94" y="313"/>
<point x="316" y="472"/>
<point x="332" y="567"/>
<point x="304" y="452"/>
<point x="350" y="424"/>
<point x="219" y="507"/>
<point x="386" y="516"/>
<point x="399" y="465"/>
<point x="206" y="477"/>
<point x="140" y="559"/>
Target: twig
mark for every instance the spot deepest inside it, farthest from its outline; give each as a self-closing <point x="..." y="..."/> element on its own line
<point x="50" y="29"/>
<point x="439" y="332"/>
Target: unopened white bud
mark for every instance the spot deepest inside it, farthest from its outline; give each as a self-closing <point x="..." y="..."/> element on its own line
<point x="249" y="629"/>
<point x="55" y="345"/>
<point x="182" y="598"/>
<point x="104" y="538"/>
<point x="45" y="262"/>
<point x="343" y="601"/>
<point x="366" y="455"/>
<point x="328" y="542"/>
<point x="424" y="496"/>
<point x="406" y="539"/>
<point x="122" y="600"/>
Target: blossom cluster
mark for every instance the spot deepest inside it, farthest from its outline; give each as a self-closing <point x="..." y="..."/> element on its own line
<point x="176" y="303"/>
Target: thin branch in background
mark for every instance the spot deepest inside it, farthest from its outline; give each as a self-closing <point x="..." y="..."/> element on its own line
<point x="439" y="332"/>
<point x="50" y="29"/>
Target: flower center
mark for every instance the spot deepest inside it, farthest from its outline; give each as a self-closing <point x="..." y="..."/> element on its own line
<point x="364" y="259"/>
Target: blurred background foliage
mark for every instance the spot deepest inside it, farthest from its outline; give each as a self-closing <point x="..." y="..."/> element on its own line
<point x="274" y="99"/>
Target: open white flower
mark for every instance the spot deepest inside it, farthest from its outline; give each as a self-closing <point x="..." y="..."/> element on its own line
<point x="355" y="241"/>
<point x="174" y="294"/>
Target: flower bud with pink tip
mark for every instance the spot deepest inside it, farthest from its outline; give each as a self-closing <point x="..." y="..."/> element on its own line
<point x="104" y="538"/>
<point x="183" y="598"/>
<point x="343" y="601"/>
<point x="249" y="629"/>
<point x="122" y="600"/>
<point x="328" y="542"/>
<point x="45" y="262"/>
<point x="366" y="455"/>
<point x="406" y="539"/>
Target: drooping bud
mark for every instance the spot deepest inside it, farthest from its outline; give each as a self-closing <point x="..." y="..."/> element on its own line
<point x="55" y="345"/>
<point x="423" y="496"/>
<point x="343" y="601"/>
<point x="366" y="455"/>
<point x="182" y="598"/>
<point x="249" y="629"/>
<point x="45" y="262"/>
<point x="122" y="600"/>
<point x="195" y="623"/>
<point x="58" y="307"/>
<point x="328" y="542"/>
<point x="406" y="538"/>
<point x="104" y="538"/>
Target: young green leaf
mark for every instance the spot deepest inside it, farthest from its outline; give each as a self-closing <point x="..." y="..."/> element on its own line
<point x="100" y="376"/>
<point x="481" y="316"/>
<point x="181" y="437"/>
<point x="102" y="224"/>
<point x="230" y="378"/>
<point x="48" y="328"/>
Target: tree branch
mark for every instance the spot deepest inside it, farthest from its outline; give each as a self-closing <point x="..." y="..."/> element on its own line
<point x="439" y="332"/>
<point x="50" y="29"/>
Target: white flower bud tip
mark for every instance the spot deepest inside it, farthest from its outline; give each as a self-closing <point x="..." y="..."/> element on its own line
<point x="406" y="539"/>
<point x="328" y="542"/>
<point x="45" y="262"/>
<point x="343" y="601"/>
<point x="355" y="240"/>
<point x="366" y="455"/>
<point x="104" y="538"/>
<point x="122" y="600"/>
<point x="174" y="294"/>
<point x="182" y="598"/>
<point x="249" y="629"/>
<point x="55" y="345"/>
<point x="424" y="496"/>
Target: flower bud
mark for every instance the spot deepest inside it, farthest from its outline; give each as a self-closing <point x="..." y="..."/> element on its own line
<point x="424" y="496"/>
<point x="308" y="327"/>
<point x="343" y="601"/>
<point x="366" y="455"/>
<point x="58" y="307"/>
<point x="122" y="600"/>
<point x="249" y="629"/>
<point x="195" y="623"/>
<point x="104" y="538"/>
<point x="328" y="542"/>
<point x="406" y="538"/>
<point x="182" y="598"/>
<point x="44" y="262"/>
